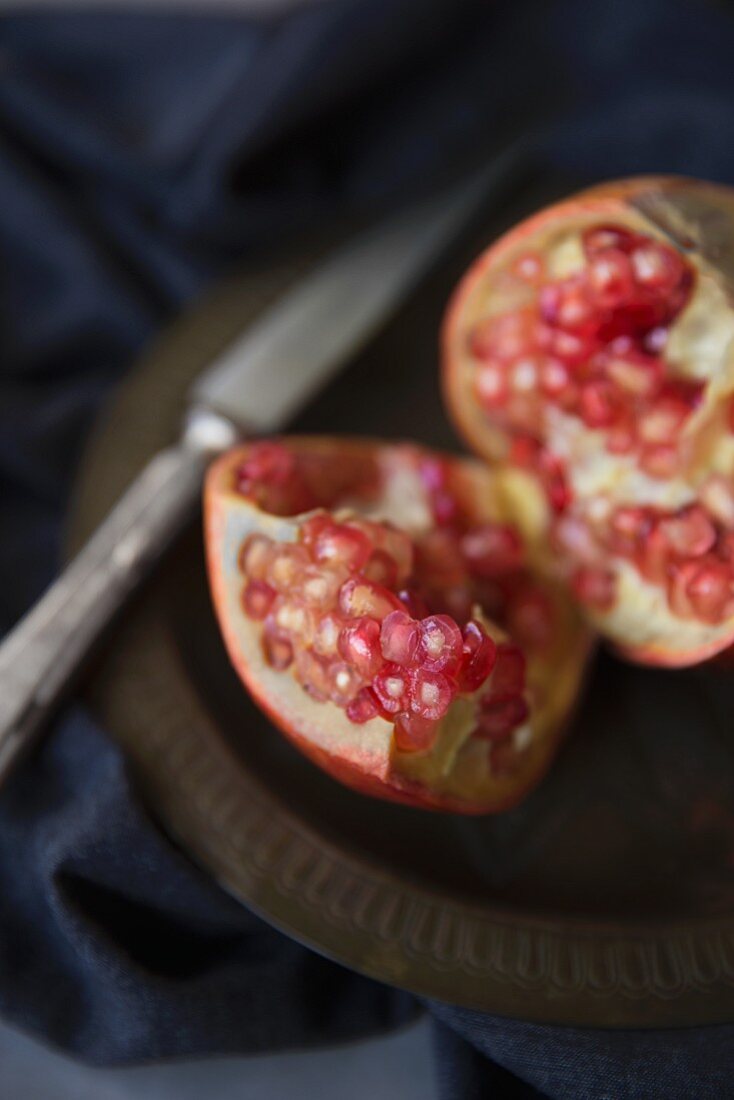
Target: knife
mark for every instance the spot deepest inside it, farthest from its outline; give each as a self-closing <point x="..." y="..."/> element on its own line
<point x="259" y="382"/>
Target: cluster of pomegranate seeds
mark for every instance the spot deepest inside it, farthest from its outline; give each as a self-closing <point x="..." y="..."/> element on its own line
<point x="272" y="477"/>
<point x="286" y="482"/>
<point x="350" y="639"/>
<point x="382" y="624"/>
<point x="503" y="708"/>
<point x="591" y="344"/>
<point x="688" y="552"/>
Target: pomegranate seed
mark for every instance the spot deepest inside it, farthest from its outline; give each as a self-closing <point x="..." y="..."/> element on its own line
<point x="629" y="526"/>
<point x="318" y="587"/>
<point x="725" y="546"/>
<point x="359" y="597"/>
<point x="595" y="587"/>
<point x="254" y="556"/>
<point x="711" y="591"/>
<point x="610" y="277"/>
<point x="620" y="438"/>
<point x="554" y="377"/>
<point x="554" y="481"/>
<point x="500" y="715"/>
<point x="398" y="546"/>
<point x="524" y="452"/>
<point x="492" y="550"/>
<point x="440" y="645"/>
<point x="287" y="566"/>
<point x="573" y="348"/>
<point x="530" y="617"/>
<point x="656" y="267"/>
<point x="529" y="268"/>
<point x="326" y="635"/>
<point x="690" y="533"/>
<point x="382" y="569"/>
<point x="505" y="336"/>
<point x="653" y="555"/>
<point x="679" y="577"/>
<point x="604" y="237"/>
<point x="313" y="674"/>
<point x="574" y="537"/>
<point x="359" y="644"/>
<point x="293" y="618"/>
<point x="597" y="406"/>
<point x="508" y="677"/>
<point x="430" y="694"/>
<point x="660" y="462"/>
<point x="391" y="685"/>
<point x="267" y="463"/>
<point x="525" y="374"/>
<point x="637" y="374"/>
<point x="479" y="654"/>
<point x="567" y="304"/>
<point x="491" y="387"/>
<point x="344" y="683"/>
<point x="399" y="638"/>
<point x="337" y="543"/>
<point x="434" y="473"/>
<point x="257" y="599"/>
<point x="276" y="647"/>
<point x="413" y="733"/>
<point x="664" y="421"/>
<point x="445" y="509"/>
<point x="717" y="496"/>
<point x="363" y="707"/>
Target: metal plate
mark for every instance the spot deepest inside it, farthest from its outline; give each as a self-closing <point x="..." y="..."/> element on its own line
<point x="606" y="899"/>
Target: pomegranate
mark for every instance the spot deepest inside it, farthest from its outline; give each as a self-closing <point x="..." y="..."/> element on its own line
<point x="590" y="349"/>
<point x="365" y="593"/>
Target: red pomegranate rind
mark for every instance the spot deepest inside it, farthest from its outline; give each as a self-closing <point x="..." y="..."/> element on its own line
<point x="356" y="675"/>
<point x="589" y="348"/>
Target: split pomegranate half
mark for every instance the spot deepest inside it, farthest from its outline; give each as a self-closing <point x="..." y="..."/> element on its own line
<point x="383" y="608"/>
<point x="591" y="349"/>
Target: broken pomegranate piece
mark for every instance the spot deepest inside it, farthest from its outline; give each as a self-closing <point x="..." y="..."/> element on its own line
<point x="590" y="350"/>
<point x="372" y="627"/>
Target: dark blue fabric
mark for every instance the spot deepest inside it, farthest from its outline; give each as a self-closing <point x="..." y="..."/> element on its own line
<point x="140" y="156"/>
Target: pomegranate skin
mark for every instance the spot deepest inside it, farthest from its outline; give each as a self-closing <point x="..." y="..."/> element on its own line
<point x="675" y="240"/>
<point x="362" y="756"/>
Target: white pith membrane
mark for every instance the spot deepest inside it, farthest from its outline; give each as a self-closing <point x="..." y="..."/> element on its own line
<point x="643" y="618"/>
<point x="458" y="768"/>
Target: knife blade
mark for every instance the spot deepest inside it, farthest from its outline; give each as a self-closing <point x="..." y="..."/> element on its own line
<point x="253" y="387"/>
<point x="283" y="359"/>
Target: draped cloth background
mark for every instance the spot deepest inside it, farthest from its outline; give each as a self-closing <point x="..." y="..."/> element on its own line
<point x="141" y="155"/>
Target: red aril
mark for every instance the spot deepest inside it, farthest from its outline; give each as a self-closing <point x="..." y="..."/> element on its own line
<point x="257" y="599"/>
<point x="392" y="686"/>
<point x="399" y="638"/>
<point x="492" y="549"/>
<point x="359" y="645"/>
<point x="440" y="645"/>
<point x="430" y="694"/>
<point x="479" y="654"/>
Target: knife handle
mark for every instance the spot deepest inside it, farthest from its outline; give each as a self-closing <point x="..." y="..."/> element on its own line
<point x="41" y="656"/>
